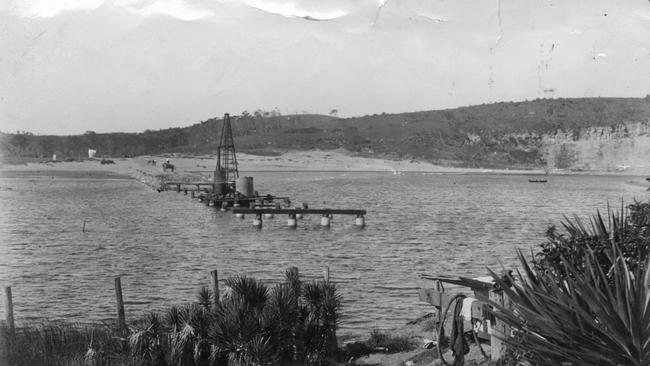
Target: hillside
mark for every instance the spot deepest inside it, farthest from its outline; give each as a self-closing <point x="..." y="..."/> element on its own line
<point x="577" y="134"/>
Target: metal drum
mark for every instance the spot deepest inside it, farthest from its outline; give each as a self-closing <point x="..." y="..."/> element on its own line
<point x="244" y="185"/>
<point x="219" y="180"/>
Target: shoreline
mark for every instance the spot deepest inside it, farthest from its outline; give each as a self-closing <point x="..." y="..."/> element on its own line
<point x="333" y="161"/>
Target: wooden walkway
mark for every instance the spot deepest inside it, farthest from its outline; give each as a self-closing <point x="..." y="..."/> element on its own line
<point x="295" y="211"/>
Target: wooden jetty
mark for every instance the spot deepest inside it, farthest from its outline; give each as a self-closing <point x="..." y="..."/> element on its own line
<point x="294" y="213"/>
<point x="228" y="189"/>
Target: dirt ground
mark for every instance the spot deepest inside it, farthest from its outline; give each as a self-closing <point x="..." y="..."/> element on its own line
<point x="419" y="332"/>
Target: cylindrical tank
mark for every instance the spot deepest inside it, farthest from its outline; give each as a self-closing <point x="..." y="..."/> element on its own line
<point x="219" y="177"/>
<point x="219" y="186"/>
<point x="360" y="221"/>
<point x="291" y="221"/>
<point x="325" y="220"/>
<point x="244" y="185"/>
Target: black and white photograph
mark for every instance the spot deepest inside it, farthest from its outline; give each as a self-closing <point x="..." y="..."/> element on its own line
<point x="324" y="182"/>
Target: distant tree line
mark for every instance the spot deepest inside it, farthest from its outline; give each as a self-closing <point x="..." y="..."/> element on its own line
<point x="504" y="134"/>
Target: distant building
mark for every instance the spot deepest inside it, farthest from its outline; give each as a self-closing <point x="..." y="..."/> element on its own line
<point x="91" y="153"/>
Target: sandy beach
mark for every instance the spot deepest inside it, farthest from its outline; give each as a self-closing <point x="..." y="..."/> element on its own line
<point x="315" y="160"/>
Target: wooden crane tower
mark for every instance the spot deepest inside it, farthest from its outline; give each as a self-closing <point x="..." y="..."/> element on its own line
<point x="226" y="170"/>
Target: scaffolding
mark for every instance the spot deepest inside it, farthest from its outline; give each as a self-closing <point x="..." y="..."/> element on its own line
<point x="226" y="171"/>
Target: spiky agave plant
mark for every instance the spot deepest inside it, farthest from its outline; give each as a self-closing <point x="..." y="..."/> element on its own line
<point x="583" y="316"/>
<point x="629" y="228"/>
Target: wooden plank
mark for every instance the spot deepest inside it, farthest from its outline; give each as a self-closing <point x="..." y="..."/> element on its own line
<point x="460" y="281"/>
<point x="189" y="183"/>
<point x="4" y="344"/>
<point x="434" y="297"/>
<point x="500" y="330"/>
<point x="298" y="211"/>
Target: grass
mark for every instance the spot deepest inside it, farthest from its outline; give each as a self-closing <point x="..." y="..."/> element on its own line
<point x="64" y="344"/>
<point x="391" y="343"/>
<point x="292" y="323"/>
<point x="379" y="342"/>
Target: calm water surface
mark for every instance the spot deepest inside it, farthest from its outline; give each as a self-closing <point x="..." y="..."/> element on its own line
<point x="164" y="244"/>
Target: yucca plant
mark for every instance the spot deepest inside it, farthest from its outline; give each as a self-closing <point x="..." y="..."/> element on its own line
<point x="629" y="229"/>
<point x="580" y="315"/>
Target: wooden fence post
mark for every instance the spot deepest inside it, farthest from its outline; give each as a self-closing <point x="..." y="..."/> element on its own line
<point x="4" y="345"/>
<point x="326" y="274"/>
<point x="500" y="329"/>
<point x="121" y="320"/>
<point x="215" y="289"/>
<point x="9" y="310"/>
<point x="294" y="271"/>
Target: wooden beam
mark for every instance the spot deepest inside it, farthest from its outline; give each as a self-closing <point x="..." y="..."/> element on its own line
<point x="288" y="211"/>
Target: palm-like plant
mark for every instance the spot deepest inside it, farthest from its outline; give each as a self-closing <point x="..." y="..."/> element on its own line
<point x="252" y="291"/>
<point x="584" y="316"/>
<point x="148" y="342"/>
<point x="294" y="323"/>
<point x="323" y="305"/>
<point x="189" y="328"/>
<point x="281" y="319"/>
<point x="233" y="328"/>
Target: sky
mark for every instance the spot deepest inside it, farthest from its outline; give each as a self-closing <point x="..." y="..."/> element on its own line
<point x="71" y="66"/>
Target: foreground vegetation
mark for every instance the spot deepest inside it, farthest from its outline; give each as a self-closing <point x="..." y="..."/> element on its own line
<point x="584" y="298"/>
<point x="292" y="323"/>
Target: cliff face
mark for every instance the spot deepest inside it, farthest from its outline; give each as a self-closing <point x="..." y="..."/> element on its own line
<point x="587" y="134"/>
<point x="624" y="147"/>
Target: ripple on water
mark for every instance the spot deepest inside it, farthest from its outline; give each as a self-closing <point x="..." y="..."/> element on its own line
<point x="164" y="245"/>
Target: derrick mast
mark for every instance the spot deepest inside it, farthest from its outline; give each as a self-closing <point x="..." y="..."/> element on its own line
<point x="226" y="172"/>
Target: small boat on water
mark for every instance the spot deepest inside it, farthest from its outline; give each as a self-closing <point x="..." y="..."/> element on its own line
<point x="648" y="179"/>
<point x="537" y="180"/>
